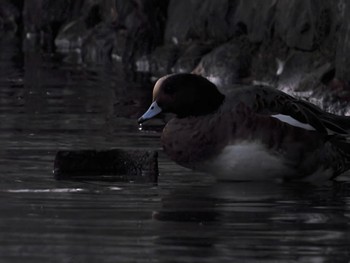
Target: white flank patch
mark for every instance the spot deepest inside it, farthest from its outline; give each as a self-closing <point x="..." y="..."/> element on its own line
<point x="246" y="161"/>
<point x="293" y="122"/>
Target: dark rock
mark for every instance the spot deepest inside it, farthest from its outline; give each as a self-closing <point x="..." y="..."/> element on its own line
<point x="42" y="20"/>
<point x="304" y="70"/>
<point x="9" y="17"/>
<point x="255" y="19"/>
<point x="71" y="36"/>
<point x="98" y="46"/>
<point x="160" y="62"/>
<point x="290" y="44"/>
<point x="115" y="165"/>
<point x="191" y="56"/>
<point x="303" y="24"/>
<point x="226" y="64"/>
<point x="266" y="60"/>
<point x="342" y="59"/>
<point x="94" y="18"/>
<point x="199" y="20"/>
<point x="173" y="58"/>
<point x="123" y="30"/>
<point x="119" y="45"/>
<point x="144" y="29"/>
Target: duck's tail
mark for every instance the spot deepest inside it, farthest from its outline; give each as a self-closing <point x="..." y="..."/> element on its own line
<point x="341" y="153"/>
<point x="337" y="123"/>
<point x="341" y="121"/>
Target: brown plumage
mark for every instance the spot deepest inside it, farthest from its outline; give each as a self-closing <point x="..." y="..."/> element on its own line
<point x="252" y="132"/>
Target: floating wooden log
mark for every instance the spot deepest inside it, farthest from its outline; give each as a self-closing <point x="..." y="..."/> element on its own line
<point x="107" y="165"/>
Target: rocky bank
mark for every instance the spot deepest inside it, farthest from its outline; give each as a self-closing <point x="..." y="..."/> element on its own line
<point x="299" y="46"/>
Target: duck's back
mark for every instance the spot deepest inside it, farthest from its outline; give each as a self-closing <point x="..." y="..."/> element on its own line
<point x="246" y="139"/>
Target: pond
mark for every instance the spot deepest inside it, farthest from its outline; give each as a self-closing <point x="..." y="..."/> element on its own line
<point x="48" y="105"/>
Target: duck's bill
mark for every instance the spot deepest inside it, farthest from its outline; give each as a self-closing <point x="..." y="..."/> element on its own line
<point x="152" y="111"/>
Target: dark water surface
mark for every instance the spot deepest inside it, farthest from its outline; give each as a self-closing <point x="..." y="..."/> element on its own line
<point x="46" y="106"/>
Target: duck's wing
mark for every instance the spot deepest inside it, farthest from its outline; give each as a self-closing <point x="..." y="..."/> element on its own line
<point x="298" y="112"/>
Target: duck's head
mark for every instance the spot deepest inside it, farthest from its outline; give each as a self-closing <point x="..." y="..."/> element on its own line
<point x="184" y="95"/>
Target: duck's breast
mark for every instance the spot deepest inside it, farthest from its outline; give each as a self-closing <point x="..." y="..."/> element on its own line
<point x="196" y="139"/>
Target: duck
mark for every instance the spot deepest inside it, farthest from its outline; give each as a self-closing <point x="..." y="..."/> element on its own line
<point x="249" y="133"/>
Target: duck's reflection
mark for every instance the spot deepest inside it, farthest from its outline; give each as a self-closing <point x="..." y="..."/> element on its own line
<point x="252" y="221"/>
